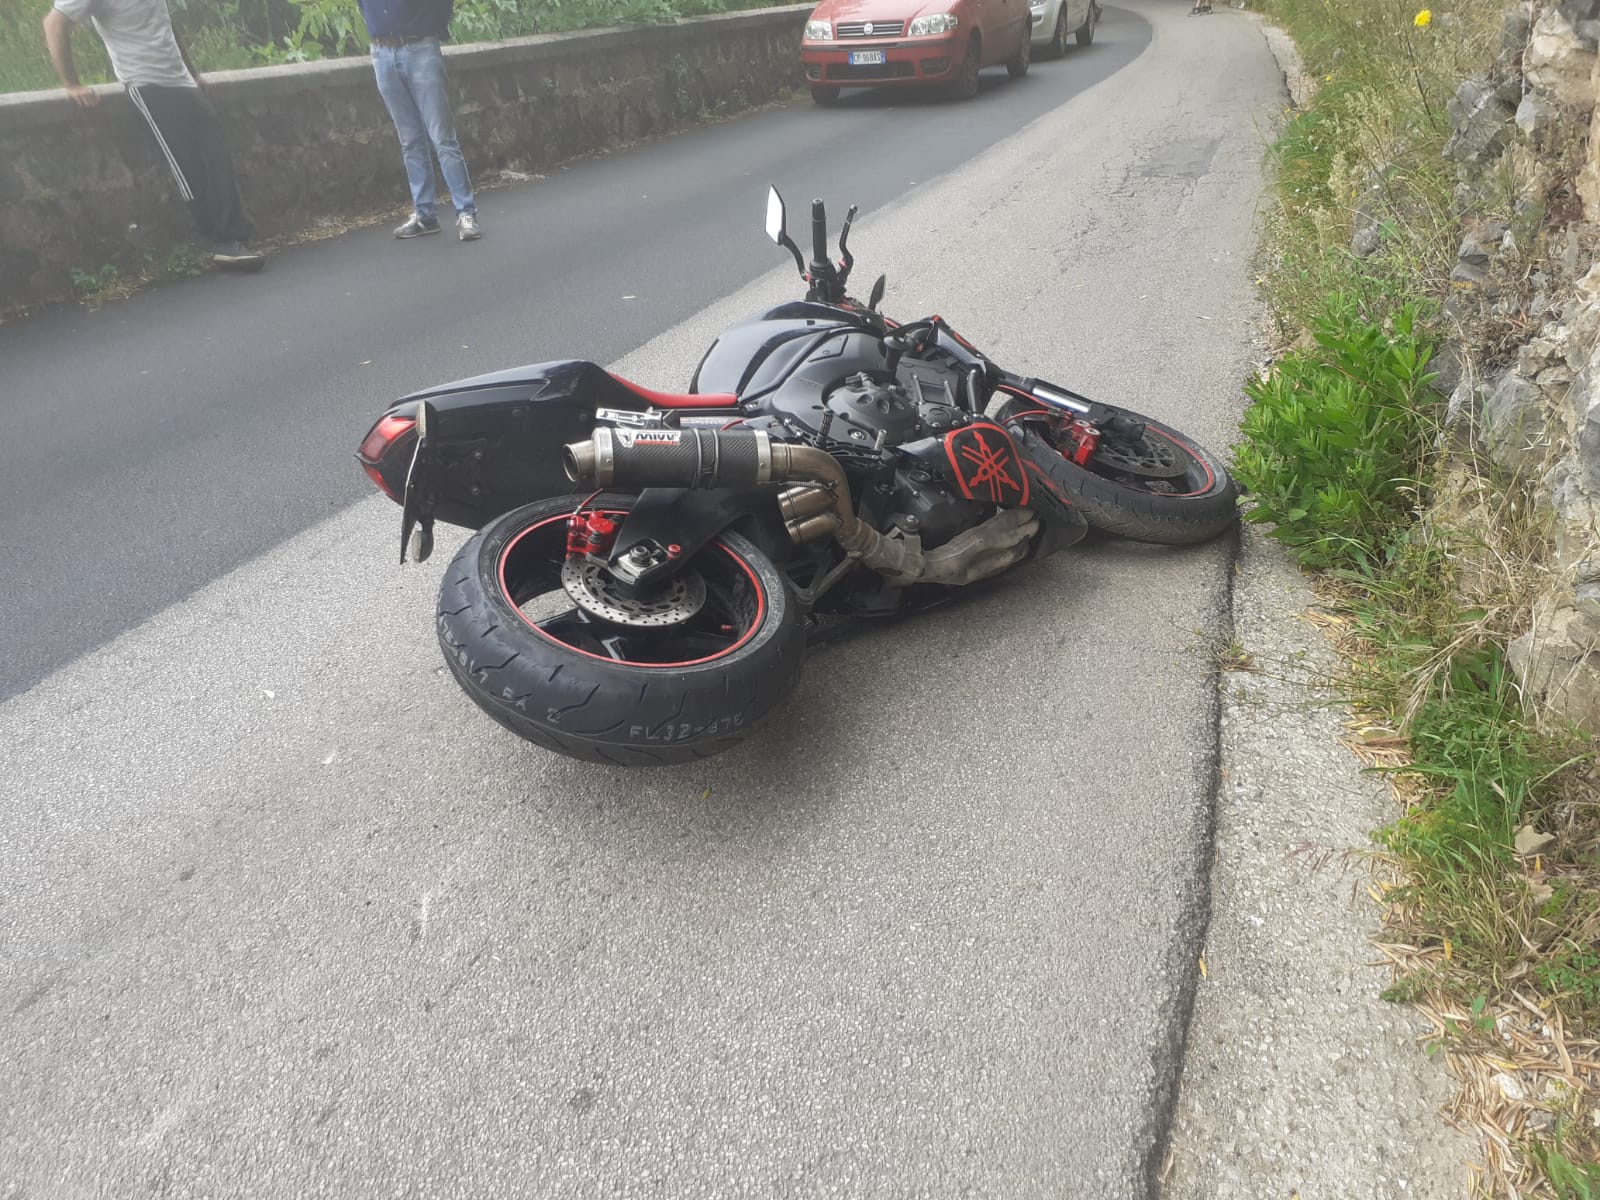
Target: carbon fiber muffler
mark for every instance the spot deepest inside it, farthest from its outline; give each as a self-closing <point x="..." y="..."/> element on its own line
<point x="712" y="458"/>
<point x="819" y="506"/>
<point x="692" y="458"/>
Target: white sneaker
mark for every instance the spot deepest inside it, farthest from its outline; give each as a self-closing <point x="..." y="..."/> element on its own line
<point x="467" y="227"/>
<point x="416" y="226"/>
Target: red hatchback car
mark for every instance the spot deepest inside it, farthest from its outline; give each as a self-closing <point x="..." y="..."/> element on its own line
<point x="895" y="43"/>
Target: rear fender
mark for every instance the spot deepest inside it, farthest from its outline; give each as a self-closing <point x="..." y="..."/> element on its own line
<point x="495" y="440"/>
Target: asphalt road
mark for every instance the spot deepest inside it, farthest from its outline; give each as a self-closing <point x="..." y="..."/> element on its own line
<point x="286" y="916"/>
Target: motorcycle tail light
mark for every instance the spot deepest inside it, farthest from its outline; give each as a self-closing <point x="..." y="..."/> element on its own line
<point x="389" y="430"/>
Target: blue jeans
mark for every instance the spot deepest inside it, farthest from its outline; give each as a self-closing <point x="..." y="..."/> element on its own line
<point x="412" y="83"/>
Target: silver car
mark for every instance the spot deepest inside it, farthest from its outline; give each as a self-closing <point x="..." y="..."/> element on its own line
<point x="1054" y="20"/>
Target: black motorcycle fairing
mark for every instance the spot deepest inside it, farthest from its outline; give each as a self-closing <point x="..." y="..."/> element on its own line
<point x="803" y="399"/>
<point x="756" y="355"/>
<point x="495" y="440"/>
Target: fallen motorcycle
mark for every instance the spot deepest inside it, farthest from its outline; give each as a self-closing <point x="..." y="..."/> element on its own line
<point x="648" y="566"/>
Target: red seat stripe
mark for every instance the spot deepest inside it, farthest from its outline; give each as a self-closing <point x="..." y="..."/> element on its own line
<point x="680" y="399"/>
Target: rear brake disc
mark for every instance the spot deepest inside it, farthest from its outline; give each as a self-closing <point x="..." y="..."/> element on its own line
<point x="593" y="589"/>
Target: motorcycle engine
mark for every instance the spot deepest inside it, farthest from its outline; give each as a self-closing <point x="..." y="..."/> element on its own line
<point x="867" y="412"/>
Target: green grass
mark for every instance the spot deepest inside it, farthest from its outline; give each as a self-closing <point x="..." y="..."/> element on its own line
<point x="1341" y="452"/>
<point x="1568" y="1180"/>
<point x="97" y="284"/>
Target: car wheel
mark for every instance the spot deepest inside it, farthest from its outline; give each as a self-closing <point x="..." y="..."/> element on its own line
<point x="966" y="84"/>
<point x="1058" y="39"/>
<point x="1085" y="33"/>
<point x="824" y="95"/>
<point x="1017" y="64"/>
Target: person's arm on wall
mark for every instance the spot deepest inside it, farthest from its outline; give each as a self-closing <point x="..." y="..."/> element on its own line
<point x="58" y="40"/>
<point x="183" y="52"/>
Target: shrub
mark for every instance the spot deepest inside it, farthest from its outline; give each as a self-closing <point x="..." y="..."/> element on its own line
<point x="1335" y="436"/>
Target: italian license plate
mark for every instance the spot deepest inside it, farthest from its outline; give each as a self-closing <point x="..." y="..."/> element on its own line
<point x="866" y="58"/>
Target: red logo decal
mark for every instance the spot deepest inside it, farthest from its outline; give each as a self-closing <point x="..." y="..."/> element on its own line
<point x="985" y="464"/>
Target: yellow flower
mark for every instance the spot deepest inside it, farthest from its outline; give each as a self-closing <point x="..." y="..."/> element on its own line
<point x="1423" y="19"/>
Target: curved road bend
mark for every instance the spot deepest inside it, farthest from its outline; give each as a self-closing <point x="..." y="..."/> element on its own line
<point x="287" y="917"/>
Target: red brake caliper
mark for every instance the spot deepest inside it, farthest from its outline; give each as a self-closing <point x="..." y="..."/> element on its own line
<point x="590" y="533"/>
<point x="1088" y="441"/>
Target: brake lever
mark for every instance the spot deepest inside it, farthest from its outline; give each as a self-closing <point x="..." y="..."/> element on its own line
<point x="846" y="259"/>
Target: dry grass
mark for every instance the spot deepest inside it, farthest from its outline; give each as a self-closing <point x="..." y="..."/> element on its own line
<point x="1526" y="1055"/>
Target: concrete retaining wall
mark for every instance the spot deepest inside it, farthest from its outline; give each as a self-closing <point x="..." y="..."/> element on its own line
<point x="312" y="143"/>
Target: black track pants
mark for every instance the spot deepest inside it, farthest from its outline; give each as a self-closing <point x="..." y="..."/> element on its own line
<point x="190" y="138"/>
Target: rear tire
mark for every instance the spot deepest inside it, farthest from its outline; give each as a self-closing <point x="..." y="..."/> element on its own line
<point x="823" y="95"/>
<point x="1114" y="499"/>
<point x="1058" y="39"/>
<point x="654" y="710"/>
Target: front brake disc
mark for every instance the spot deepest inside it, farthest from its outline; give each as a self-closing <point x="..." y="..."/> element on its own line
<point x="1148" y="458"/>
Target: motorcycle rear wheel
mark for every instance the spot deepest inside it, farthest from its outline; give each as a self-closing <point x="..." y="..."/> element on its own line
<point x="1165" y="488"/>
<point x="593" y="689"/>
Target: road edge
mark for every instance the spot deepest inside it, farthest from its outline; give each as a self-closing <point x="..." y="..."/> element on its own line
<point x="1296" y="1078"/>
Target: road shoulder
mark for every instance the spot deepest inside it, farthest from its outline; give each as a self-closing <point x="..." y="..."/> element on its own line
<point x="1298" y="1079"/>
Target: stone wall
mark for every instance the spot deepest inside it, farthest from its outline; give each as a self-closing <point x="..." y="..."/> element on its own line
<point x="313" y="145"/>
<point x="1527" y="144"/>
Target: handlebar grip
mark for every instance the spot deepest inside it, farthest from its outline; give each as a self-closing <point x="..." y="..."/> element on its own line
<point x="819" y="233"/>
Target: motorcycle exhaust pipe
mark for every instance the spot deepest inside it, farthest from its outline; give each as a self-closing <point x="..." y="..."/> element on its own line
<point x="707" y="458"/>
<point x="808" y="512"/>
<point x="642" y="458"/>
<point x="690" y="457"/>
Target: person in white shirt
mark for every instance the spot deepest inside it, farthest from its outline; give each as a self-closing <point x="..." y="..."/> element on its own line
<point x="153" y="64"/>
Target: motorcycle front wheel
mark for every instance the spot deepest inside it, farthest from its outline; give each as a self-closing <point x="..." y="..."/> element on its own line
<point x="661" y="679"/>
<point x="1160" y="487"/>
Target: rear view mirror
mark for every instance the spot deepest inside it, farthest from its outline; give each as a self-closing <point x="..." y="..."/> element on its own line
<point x="775" y="221"/>
<point x="877" y="292"/>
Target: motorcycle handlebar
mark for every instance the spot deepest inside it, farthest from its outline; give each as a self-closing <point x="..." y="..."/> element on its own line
<point x="819" y="233"/>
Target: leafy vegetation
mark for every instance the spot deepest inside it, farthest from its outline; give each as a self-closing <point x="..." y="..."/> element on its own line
<point x="1495" y="898"/>
<point x="108" y="281"/>
<point x="1336" y="435"/>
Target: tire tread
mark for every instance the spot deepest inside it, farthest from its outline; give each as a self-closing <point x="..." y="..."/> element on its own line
<point x="507" y="659"/>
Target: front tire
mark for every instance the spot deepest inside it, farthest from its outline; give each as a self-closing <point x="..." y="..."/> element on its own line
<point x="1163" y="488"/>
<point x="626" y="695"/>
<point x="966" y="84"/>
